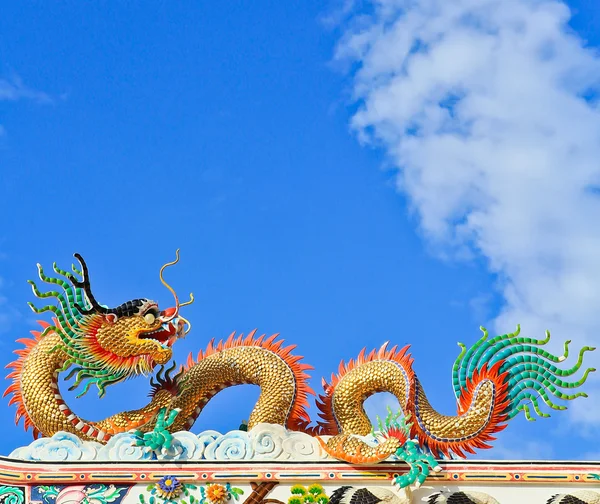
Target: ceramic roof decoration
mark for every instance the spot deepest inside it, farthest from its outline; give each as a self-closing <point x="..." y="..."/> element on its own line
<point x="494" y="380"/>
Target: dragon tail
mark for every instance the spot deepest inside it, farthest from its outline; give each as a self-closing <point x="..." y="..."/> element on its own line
<point x="493" y="381"/>
<point x="481" y="413"/>
<point x="527" y="370"/>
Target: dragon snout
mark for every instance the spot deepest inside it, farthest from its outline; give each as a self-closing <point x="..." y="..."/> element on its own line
<point x="169" y="312"/>
<point x="177" y="322"/>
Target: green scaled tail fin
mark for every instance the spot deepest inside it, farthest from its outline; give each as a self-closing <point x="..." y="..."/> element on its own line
<point x="529" y="371"/>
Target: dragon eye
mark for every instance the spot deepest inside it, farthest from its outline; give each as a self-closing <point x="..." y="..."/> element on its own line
<point x="149" y="318"/>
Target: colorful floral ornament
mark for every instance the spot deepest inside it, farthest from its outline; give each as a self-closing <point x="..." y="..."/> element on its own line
<point x="216" y="493"/>
<point x="314" y="494"/>
<point x="168" y="487"/>
<point x="172" y="491"/>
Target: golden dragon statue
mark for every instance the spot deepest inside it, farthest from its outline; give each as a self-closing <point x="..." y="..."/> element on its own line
<point x="493" y="380"/>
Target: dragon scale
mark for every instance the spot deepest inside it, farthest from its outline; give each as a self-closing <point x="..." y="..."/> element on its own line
<point x="493" y="380"/>
<point x="46" y="411"/>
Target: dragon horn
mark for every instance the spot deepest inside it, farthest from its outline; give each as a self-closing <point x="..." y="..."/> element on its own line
<point x="85" y="285"/>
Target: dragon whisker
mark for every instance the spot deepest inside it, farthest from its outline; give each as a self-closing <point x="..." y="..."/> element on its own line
<point x="177" y="305"/>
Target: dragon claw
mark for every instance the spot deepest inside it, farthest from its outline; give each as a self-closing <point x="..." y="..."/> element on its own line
<point x="420" y="462"/>
<point x="160" y="439"/>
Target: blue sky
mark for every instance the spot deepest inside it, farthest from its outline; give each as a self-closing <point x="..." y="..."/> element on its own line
<point x="270" y="144"/>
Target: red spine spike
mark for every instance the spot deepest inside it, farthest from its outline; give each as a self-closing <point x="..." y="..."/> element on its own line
<point x="14" y="389"/>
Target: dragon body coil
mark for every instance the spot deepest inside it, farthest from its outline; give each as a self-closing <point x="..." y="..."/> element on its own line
<point x="493" y="380"/>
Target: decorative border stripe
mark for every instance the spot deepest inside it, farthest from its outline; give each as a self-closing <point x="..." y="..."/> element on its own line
<point x="364" y="475"/>
<point x="543" y="477"/>
<point x="55" y="477"/>
<point x="301" y="475"/>
<point x="16" y="476"/>
<point x="502" y="473"/>
<point x="481" y="477"/>
<point x="229" y="476"/>
<point x="101" y="476"/>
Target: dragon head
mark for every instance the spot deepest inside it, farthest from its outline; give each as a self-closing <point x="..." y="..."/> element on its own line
<point x="106" y="345"/>
<point x="139" y="333"/>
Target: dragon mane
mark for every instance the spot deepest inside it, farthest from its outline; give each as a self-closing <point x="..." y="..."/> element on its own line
<point x="75" y="322"/>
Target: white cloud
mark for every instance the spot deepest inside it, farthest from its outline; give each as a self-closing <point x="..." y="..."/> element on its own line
<point x="13" y="89"/>
<point x="519" y="450"/>
<point x="488" y="111"/>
